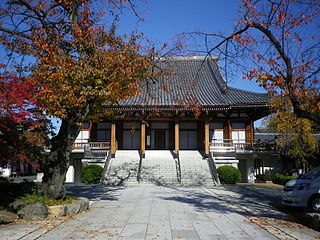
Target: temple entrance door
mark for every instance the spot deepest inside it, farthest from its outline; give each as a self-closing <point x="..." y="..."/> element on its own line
<point x="160" y="139"/>
<point x="131" y="141"/>
<point x="188" y="140"/>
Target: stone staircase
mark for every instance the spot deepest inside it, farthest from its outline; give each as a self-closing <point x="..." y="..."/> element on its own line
<point x="159" y="168"/>
<point x="195" y="170"/>
<point x="123" y="169"/>
<point x="224" y="156"/>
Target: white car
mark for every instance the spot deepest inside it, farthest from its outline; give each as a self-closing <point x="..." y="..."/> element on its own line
<point x="303" y="191"/>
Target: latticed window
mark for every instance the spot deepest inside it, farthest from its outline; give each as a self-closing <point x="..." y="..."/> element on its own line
<point x="216" y="133"/>
<point x="238" y="132"/>
<point x="103" y="132"/>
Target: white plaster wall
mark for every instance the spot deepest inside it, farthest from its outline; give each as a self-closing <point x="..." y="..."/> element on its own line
<point x="70" y="174"/>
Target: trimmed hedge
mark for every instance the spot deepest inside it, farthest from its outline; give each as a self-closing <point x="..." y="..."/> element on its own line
<point x="229" y="175"/>
<point x="91" y="174"/>
<point x="264" y="177"/>
<point x="281" y="179"/>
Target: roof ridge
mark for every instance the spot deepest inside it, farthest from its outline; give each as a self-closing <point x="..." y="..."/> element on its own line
<point x="221" y="83"/>
<point x="246" y="91"/>
<point x="188" y="58"/>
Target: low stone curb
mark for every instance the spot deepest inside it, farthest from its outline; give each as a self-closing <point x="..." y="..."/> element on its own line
<point x="71" y="209"/>
<point x="34" y="211"/>
<point x="268" y="184"/>
<point x="40" y="211"/>
<point x="7" y="217"/>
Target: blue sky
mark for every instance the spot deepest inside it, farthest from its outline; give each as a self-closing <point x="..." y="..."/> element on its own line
<point x="165" y="19"/>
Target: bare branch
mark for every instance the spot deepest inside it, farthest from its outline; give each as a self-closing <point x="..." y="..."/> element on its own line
<point x="229" y="38"/>
<point x="15" y="33"/>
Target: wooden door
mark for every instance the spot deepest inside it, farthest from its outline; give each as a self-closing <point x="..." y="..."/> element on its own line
<point x="159" y="139"/>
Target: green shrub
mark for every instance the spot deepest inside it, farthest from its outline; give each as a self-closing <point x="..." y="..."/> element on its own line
<point x="33" y="198"/>
<point x="228" y="175"/>
<point x="91" y="174"/>
<point x="10" y="191"/>
<point x="281" y="179"/>
<point x="264" y="177"/>
<point x="28" y="192"/>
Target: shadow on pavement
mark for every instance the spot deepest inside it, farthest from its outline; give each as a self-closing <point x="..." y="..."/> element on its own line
<point x="93" y="192"/>
<point x="247" y="200"/>
<point x="251" y="201"/>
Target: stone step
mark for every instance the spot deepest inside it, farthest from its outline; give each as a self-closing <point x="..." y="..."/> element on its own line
<point x="123" y="168"/>
<point x="194" y="169"/>
<point x="158" y="167"/>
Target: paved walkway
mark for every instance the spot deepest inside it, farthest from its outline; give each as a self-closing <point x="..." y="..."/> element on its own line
<point x="153" y="212"/>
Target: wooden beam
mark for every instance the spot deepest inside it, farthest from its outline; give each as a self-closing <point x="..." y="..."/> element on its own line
<point x="206" y="138"/>
<point x="113" y="139"/>
<point x="176" y="137"/>
<point x="227" y="132"/>
<point x="143" y="138"/>
<point x="249" y="132"/>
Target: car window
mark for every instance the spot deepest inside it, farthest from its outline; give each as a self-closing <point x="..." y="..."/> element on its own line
<point x="312" y="174"/>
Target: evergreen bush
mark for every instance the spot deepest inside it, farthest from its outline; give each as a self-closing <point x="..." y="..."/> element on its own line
<point x="281" y="179"/>
<point x="229" y="174"/>
<point x="264" y="177"/>
<point x="91" y="174"/>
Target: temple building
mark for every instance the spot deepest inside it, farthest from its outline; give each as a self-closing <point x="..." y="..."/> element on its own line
<point x="189" y="110"/>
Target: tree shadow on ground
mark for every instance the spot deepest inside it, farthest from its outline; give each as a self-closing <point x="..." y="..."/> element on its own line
<point x="94" y="192"/>
<point x="124" y="173"/>
<point x="267" y="195"/>
<point x="240" y="199"/>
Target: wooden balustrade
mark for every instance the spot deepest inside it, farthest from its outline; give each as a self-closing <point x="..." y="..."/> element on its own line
<point x="240" y="144"/>
<point x="95" y="145"/>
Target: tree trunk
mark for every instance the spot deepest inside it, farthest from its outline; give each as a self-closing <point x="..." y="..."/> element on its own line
<point x="57" y="163"/>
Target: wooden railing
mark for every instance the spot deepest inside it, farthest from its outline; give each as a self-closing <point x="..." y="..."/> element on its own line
<point x="242" y="145"/>
<point x="79" y="145"/>
<point x="237" y="143"/>
<point x="97" y="150"/>
<point x="92" y="145"/>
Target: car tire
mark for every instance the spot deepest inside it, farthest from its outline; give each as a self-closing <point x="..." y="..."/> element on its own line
<point x="314" y="203"/>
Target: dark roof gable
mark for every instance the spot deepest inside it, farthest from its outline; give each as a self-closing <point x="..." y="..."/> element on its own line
<point x="191" y="81"/>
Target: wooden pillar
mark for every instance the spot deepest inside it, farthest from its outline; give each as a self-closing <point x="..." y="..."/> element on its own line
<point x="171" y="135"/>
<point x="249" y="132"/>
<point x="206" y="138"/>
<point x="93" y="132"/>
<point x="176" y="137"/>
<point x="113" y="139"/>
<point x="227" y="133"/>
<point x="143" y="139"/>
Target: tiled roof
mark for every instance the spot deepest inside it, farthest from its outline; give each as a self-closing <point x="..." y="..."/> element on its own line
<point x="191" y="81"/>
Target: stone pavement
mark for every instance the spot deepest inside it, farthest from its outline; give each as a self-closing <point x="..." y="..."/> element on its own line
<point x="154" y="212"/>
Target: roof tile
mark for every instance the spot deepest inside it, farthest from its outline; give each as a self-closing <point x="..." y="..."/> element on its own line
<point x="192" y="81"/>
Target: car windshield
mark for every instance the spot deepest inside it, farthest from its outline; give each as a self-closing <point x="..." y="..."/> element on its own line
<point x="312" y="174"/>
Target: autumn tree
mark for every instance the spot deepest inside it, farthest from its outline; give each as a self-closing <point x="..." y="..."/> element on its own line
<point x="296" y="141"/>
<point x="276" y="43"/>
<point x="22" y="127"/>
<point x="281" y="39"/>
<point x="81" y="66"/>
